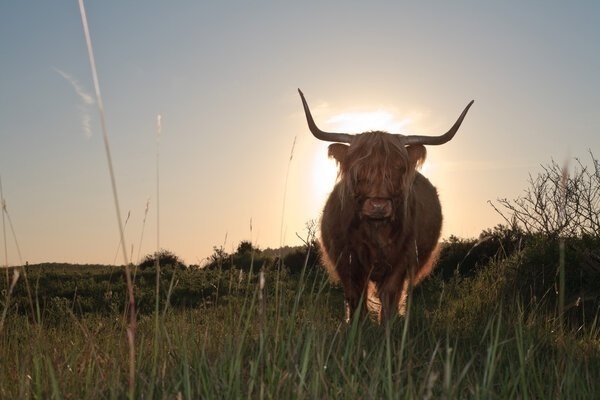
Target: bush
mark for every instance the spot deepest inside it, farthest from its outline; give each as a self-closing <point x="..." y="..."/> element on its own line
<point x="537" y="279"/>
<point x="165" y="258"/>
<point x="556" y="203"/>
<point x="246" y="258"/>
<point x="466" y="256"/>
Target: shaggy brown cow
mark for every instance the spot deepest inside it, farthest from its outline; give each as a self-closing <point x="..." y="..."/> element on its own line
<point x="382" y="222"/>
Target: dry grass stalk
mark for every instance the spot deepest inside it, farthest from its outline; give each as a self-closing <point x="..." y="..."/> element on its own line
<point x="131" y="305"/>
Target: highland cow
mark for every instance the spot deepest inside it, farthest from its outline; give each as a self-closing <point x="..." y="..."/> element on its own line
<point x="381" y="223"/>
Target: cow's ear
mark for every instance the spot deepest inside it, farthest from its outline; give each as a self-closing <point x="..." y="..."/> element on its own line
<point x="416" y="155"/>
<point x="338" y="151"/>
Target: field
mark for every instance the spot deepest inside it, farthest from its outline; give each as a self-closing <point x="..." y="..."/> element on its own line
<point x="479" y="328"/>
<point x="513" y="314"/>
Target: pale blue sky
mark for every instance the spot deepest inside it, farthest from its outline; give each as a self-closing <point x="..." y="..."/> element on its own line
<point x="224" y="75"/>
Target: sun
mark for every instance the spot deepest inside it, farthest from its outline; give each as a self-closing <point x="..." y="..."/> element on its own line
<point x="357" y="122"/>
<point x="324" y="173"/>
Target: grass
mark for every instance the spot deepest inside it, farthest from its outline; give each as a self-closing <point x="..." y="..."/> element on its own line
<point x="292" y="344"/>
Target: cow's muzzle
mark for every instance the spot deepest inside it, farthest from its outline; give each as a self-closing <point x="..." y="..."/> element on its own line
<point x="377" y="208"/>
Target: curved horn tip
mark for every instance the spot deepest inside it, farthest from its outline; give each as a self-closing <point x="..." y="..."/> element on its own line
<point x="467" y="108"/>
<point x="319" y="134"/>
<point x="470" y="104"/>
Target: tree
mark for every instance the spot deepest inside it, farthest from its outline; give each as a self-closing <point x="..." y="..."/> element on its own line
<point x="306" y="255"/>
<point x="558" y="203"/>
<point x="246" y="256"/>
<point x="165" y="258"/>
<point x="245" y="247"/>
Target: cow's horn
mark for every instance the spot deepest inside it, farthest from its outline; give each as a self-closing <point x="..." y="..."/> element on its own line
<point x="319" y="134"/>
<point x="435" y="140"/>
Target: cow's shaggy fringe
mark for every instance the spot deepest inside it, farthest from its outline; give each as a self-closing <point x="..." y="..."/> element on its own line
<point x="362" y="165"/>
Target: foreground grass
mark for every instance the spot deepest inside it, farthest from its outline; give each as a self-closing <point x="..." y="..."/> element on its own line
<point x="459" y="340"/>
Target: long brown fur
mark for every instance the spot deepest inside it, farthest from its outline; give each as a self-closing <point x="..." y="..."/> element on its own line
<point x="381" y="224"/>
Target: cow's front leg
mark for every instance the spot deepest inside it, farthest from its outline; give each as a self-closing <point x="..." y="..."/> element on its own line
<point x="389" y="295"/>
<point x="355" y="283"/>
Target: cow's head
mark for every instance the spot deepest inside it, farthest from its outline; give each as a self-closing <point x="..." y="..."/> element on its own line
<point x="377" y="168"/>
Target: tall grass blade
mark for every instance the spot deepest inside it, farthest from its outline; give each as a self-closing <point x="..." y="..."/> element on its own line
<point x="23" y="266"/>
<point x="388" y="361"/>
<point x="158" y="132"/>
<point x="143" y="227"/>
<point x="103" y="123"/>
<point x="561" y="285"/>
<point x="4" y="231"/>
<point x="8" y="295"/>
<point x="561" y="266"/>
<point x="131" y="328"/>
<point x="120" y="242"/>
<point x="287" y="174"/>
<point x="157" y="337"/>
<point x="11" y="226"/>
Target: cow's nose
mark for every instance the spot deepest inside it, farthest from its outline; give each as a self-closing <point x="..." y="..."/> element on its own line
<point x="377" y="207"/>
<point x="379" y="203"/>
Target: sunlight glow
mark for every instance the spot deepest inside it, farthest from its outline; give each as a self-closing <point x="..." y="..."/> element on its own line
<point x="357" y="122"/>
<point x="324" y="174"/>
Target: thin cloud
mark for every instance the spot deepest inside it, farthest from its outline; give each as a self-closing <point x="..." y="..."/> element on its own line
<point x="86" y="97"/>
<point x="88" y="100"/>
<point x="86" y="121"/>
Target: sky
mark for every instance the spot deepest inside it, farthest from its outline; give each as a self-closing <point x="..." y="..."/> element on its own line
<point x="234" y="159"/>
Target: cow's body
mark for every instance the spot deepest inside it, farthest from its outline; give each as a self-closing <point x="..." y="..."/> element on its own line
<point x="382" y="222"/>
<point x="356" y="251"/>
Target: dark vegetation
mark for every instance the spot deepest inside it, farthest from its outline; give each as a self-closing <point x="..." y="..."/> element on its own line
<point x="532" y="273"/>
